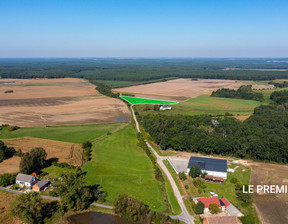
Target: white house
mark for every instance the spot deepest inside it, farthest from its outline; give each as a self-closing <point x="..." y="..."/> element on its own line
<point x="213" y="167"/>
<point x="25" y="180"/>
<point x="165" y="107"/>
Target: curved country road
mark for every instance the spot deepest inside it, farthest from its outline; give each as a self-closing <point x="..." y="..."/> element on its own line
<point x="53" y="198"/>
<point x="184" y="216"/>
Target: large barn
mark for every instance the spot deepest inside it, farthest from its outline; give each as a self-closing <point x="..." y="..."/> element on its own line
<point x="214" y="167"/>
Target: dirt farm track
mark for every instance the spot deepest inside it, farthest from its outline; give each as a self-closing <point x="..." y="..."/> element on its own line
<point x="67" y="101"/>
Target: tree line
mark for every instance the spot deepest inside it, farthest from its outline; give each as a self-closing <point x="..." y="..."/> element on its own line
<point x="280" y="97"/>
<point x="244" y="92"/>
<point x="263" y="136"/>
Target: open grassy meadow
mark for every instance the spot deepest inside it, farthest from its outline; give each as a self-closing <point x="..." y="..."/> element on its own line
<point x="120" y="166"/>
<point x="205" y="104"/>
<point x="74" y="134"/>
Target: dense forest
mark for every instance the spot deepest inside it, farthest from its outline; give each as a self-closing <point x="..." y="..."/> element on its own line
<point x="144" y="70"/>
<point x="263" y="136"/>
<point x="244" y="92"/>
<point x="280" y="97"/>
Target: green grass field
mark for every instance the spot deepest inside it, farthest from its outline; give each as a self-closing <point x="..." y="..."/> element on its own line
<point x="136" y="100"/>
<point x="75" y="134"/>
<point x="205" y="104"/>
<point x="120" y="166"/>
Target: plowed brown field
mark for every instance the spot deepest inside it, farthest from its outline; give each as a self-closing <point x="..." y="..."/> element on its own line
<point x="68" y="101"/>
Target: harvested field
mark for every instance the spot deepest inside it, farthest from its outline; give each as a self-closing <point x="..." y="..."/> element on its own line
<point x="181" y="87"/>
<point x="271" y="208"/>
<point x="54" y="102"/>
<point x="10" y="165"/>
<point x="62" y="151"/>
<point x="5" y="216"/>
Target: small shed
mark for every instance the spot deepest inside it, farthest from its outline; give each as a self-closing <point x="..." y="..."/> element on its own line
<point x="25" y="180"/>
<point x="39" y="186"/>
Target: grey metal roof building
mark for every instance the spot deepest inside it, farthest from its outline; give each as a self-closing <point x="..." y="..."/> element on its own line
<point x="42" y="183"/>
<point x="209" y="164"/>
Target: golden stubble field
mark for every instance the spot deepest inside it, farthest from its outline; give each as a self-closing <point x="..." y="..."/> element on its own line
<point x="179" y="88"/>
<point x="52" y="102"/>
<point x="67" y="152"/>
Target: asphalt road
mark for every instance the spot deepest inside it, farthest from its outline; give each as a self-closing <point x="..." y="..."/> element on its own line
<point x="53" y="198"/>
<point x="184" y="216"/>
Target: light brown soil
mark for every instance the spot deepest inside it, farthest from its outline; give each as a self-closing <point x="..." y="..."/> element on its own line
<point x="42" y="102"/>
<point x="62" y="151"/>
<point x="184" y="88"/>
<point x="10" y="165"/>
<point x="271" y="208"/>
<point x="5" y="216"/>
<point x="181" y="87"/>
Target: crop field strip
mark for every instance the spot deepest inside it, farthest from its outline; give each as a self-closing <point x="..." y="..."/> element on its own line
<point x="120" y="166"/>
<point x="136" y="100"/>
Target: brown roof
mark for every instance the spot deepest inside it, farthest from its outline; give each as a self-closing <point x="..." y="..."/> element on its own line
<point x="218" y="179"/>
<point x="208" y="177"/>
<point x="222" y="220"/>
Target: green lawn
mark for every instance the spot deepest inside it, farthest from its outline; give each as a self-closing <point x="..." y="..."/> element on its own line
<point x="137" y="100"/>
<point x="120" y="166"/>
<point x="75" y="134"/>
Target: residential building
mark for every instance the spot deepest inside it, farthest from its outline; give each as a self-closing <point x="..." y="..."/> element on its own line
<point x="25" y="180"/>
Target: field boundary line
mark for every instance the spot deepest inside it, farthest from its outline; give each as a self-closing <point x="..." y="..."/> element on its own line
<point x="112" y="132"/>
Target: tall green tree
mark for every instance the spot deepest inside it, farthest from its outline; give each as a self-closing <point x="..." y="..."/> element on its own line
<point x="195" y="171"/>
<point x="74" y="193"/>
<point x="33" y="160"/>
<point x="199" y="208"/>
<point x="28" y="207"/>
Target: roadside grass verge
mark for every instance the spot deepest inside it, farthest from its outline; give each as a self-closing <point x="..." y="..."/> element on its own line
<point x="120" y="166"/>
<point x="174" y="175"/>
<point x="74" y="134"/>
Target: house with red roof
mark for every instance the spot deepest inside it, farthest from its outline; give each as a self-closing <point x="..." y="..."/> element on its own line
<point x="223" y="203"/>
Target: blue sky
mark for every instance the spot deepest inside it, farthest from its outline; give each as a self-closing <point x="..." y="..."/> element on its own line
<point x="143" y="28"/>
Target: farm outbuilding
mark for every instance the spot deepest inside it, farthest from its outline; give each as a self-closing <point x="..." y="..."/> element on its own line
<point x="40" y="186"/>
<point x="213" y="167"/>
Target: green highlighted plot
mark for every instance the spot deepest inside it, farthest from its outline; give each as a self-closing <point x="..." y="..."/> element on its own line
<point x="136" y="100"/>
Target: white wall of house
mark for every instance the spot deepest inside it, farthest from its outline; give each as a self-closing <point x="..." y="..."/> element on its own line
<point x="213" y="173"/>
<point x="27" y="184"/>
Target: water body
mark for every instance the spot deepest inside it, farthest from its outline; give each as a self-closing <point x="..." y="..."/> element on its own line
<point x="96" y="218"/>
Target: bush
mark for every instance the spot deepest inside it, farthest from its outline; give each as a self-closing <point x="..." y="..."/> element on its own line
<point x="214" y="208"/>
<point x="7" y="179"/>
<point x="203" y="175"/>
<point x="182" y="176"/>
<point x="33" y="160"/>
<point x="13" y="128"/>
<point x="234" y="180"/>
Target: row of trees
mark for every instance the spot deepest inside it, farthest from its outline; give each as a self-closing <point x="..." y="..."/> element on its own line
<point x="130" y="208"/>
<point x="263" y="136"/>
<point x="279" y="85"/>
<point x="244" y="92"/>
